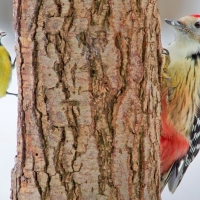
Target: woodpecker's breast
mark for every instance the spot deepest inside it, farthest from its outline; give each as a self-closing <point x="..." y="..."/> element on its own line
<point x="183" y="90"/>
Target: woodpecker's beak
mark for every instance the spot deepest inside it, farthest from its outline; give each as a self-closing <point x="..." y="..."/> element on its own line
<point x="175" y="24"/>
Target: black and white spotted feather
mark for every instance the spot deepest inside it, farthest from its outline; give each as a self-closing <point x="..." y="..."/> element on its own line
<point x="180" y="166"/>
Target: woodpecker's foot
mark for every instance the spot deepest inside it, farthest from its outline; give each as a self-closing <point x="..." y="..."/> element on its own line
<point x="165" y="51"/>
<point x="12" y="94"/>
<point x="13" y="64"/>
<point x="165" y="64"/>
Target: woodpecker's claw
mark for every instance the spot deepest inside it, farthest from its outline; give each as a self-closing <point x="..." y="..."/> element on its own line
<point x="165" y="51"/>
<point x="165" y="63"/>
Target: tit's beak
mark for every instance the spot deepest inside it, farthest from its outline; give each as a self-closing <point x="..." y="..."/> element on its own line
<point x="173" y="23"/>
<point x="3" y="34"/>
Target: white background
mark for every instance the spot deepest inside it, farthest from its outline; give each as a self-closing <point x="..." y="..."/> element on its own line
<point x="189" y="187"/>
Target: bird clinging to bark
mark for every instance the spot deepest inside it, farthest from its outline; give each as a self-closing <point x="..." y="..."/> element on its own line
<point x="180" y="138"/>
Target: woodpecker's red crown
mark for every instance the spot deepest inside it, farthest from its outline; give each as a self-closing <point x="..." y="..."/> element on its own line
<point x="188" y="26"/>
<point x="195" y="15"/>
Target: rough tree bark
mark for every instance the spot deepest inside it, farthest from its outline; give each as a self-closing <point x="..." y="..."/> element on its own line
<point x="89" y="100"/>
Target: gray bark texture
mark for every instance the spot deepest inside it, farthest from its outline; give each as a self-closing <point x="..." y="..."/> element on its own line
<point x="89" y="100"/>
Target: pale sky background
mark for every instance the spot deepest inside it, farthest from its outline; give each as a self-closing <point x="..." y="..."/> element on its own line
<point x="189" y="187"/>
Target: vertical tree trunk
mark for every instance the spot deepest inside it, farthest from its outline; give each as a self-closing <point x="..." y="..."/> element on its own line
<point x="89" y="100"/>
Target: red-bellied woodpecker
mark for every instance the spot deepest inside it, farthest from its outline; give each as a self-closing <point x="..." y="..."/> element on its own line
<point x="180" y="139"/>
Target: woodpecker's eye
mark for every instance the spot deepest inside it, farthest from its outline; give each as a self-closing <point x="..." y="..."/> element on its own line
<point x="197" y="24"/>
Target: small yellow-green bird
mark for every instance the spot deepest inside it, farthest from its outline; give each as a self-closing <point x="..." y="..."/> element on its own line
<point x="5" y="68"/>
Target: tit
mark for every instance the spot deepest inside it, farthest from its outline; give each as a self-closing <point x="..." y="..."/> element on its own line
<point x="5" y="68"/>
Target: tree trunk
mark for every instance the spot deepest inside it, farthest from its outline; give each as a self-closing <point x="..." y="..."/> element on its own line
<point x="89" y="100"/>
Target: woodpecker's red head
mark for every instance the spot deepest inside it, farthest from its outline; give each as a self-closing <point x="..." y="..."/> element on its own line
<point x="186" y="28"/>
<point x="195" y="15"/>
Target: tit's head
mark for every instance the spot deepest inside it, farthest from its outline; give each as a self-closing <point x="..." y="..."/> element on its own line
<point x="187" y="26"/>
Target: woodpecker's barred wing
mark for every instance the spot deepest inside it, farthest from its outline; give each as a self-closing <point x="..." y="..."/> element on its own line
<point x="176" y="174"/>
<point x="170" y="176"/>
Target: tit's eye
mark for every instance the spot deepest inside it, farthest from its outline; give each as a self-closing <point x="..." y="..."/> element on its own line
<point x="197" y="24"/>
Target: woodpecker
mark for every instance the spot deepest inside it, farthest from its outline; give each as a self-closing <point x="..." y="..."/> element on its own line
<point x="180" y="101"/>
<point x="5" y="68"/>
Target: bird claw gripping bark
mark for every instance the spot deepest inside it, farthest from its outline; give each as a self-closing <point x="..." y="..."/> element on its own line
<point x="13" y="64"/>
<point x="166" y="80"/>
<point x="165" y="64"/>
